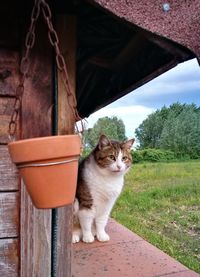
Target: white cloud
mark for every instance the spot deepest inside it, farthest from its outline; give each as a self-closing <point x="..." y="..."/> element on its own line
<point x="181" y="84"/>
<point x="132" y="116"/>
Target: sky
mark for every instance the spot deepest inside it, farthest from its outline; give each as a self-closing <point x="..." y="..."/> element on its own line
<point x="180" y="84"/>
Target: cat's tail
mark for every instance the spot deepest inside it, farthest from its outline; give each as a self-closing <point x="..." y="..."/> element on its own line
<point x="75" y="207"/>
<point x="77" y="233"/>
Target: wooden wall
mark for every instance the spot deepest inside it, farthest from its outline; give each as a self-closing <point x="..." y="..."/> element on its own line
<point x="26" y="232"/>
<point x="9" y="181"/>
<point x="36" y="121"/>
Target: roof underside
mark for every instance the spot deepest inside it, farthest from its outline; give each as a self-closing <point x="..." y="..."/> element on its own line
<point x="114" y="57"/>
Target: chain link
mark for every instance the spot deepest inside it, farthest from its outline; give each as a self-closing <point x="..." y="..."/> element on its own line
<point x="24" y="65"/>
<point x="60" y="61"/>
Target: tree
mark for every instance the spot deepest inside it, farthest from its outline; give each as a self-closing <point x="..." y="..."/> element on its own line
<point x="181" y="134"/>
<point x="176" y="128"/>
<point x="112" y="127"/>
<point x="149" y="132"/>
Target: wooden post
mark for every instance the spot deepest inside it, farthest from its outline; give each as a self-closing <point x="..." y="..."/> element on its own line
<point x="66" y="28"/>
<point x="36" y="121"/>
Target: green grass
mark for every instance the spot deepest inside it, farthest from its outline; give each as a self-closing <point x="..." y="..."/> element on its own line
<point x="161" y="203"/>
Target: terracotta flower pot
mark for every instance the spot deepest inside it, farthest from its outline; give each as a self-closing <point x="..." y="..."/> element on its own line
<point x="49" y="167"/>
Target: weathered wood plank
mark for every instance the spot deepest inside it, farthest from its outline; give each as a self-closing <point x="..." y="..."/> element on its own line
<point x="66" y="26"/>
<point x="6" y="108"/>
<point x="9" y="258"/>
<point x="8" y="172"/>
<point x="36" y="121"/>
<point x="9" y="214"/>
<point x="64" y="241"/>
<point x="35" y="239"/>
<point x="9" y="75"/>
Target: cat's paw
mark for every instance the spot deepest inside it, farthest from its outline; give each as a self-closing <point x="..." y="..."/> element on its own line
<point x="89" y="238"/>
<point x="75" y="238"/>
<point x="103" y="237"/>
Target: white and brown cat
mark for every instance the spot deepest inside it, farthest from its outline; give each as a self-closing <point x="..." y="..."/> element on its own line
<point x="100" y="181"/>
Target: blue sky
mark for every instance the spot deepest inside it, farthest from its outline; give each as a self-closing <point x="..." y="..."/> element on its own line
<point x="180" y="84"/>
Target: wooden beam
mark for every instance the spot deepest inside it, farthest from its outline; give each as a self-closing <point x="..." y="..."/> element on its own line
<point x="131" y="50"/>
<point x="168" y="46"/>
<point x="36" y="122"/>
<point x="66" y="28"/>
<point x="128" y="53"/>
<point x="164" y="43"/>
<point x="141" y="82"/>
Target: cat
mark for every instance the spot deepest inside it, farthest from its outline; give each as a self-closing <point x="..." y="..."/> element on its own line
<point x="100" y="181"/>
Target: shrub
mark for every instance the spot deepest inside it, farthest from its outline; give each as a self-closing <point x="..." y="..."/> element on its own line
<point x="137" y="156"/>
<point x="152" y="155"/>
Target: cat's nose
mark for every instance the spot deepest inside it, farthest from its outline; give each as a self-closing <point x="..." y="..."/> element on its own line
<point x="119" y="166"/>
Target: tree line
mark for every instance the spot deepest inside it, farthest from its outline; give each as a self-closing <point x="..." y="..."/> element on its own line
<point x="176" y="128"/>
<point x="168" y="133"/>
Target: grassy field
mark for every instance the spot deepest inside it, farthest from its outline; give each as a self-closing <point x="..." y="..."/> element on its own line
<point x="161" y="203"/>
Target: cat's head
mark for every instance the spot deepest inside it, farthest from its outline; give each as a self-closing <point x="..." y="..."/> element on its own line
<point x="113" y="156"/>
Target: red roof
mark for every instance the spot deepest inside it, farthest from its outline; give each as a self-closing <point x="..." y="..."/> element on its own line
<point x="180" y="22"/>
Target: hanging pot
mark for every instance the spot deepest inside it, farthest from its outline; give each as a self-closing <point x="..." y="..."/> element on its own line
<point x="48" y="167"/>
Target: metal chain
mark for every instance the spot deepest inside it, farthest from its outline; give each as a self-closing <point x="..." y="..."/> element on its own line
<point x="60" y="61"/>
<point x="24" y="64"/>
<point x="24" y="67"/>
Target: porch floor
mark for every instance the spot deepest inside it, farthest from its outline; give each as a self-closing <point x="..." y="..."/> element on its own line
<point x="125" y="255"/>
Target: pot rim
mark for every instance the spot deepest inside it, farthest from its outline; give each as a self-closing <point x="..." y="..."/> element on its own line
<point x="45" y="138"/>
<point x="44" y="148"/>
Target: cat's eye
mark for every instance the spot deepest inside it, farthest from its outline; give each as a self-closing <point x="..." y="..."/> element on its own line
<point x="125" y="158"/>
<point x="112" y="157"/>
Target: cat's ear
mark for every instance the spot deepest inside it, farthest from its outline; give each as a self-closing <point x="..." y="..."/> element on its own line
<point x="103" y="142"/>
<point x="128" y="144"/>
